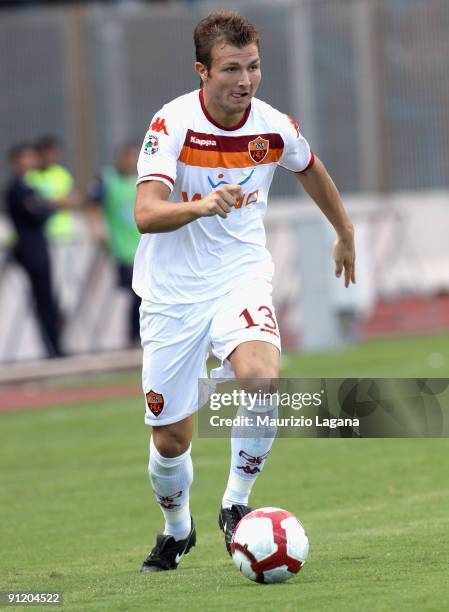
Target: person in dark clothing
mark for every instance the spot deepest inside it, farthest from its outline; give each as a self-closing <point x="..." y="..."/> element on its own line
<point x="29" y="213"/>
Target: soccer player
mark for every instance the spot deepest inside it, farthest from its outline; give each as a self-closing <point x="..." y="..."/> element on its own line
<point x="202" y="268"/>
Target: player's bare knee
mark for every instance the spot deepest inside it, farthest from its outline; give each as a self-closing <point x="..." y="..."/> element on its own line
<point x="170" y="443"/>
<point x="258" y="378"/>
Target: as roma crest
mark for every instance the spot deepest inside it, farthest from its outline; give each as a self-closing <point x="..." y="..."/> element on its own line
<point x="258" y="149"/>
<point x="155" y="402"/>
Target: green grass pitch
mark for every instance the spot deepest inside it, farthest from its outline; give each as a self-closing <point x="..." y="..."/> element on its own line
<point x="78" y="514"/>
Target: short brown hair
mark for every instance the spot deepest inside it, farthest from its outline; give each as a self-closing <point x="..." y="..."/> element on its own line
<point x="224" y="26"/>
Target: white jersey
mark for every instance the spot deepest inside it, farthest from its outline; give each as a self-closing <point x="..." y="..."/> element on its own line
<point x="186" y="149"/>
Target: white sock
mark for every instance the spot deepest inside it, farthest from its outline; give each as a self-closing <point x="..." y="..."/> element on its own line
<point x="250" y="446"/>
<point x="171" y="478"/>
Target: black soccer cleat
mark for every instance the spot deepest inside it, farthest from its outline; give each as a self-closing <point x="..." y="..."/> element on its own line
<point x="228" y="519"/>
<point x="168" y="552"/>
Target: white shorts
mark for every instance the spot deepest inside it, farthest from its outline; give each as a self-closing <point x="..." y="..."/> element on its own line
<point x="176" y="340"/>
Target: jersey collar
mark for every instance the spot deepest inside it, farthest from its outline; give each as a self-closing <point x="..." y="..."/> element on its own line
<point x="240" y="124"/>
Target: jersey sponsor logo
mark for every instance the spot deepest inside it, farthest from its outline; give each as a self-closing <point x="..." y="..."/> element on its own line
<point x="152" y="145"/>
<point x="155" y="402"/>
<point x="159" y="125"/>
<point x="258" y="149"/>
<point x="246" y="199"/>
<point x="203" y="142"/>
<point x="221" y="182"/>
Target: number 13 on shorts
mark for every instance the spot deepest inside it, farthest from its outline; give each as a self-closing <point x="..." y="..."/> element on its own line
<point x="262" y="317"/>
<point x="242" y="316"/>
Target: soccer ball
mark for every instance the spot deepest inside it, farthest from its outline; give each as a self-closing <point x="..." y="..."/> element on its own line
<point x="269" y="545"/>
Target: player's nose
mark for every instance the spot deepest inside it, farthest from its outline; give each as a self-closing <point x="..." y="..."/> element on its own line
<point x="244" y="80"/>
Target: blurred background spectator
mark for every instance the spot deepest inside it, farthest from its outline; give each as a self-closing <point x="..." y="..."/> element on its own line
<point x="54" y="182"/>
<point x="111" y="211"/>
<point x="29" y="213"/>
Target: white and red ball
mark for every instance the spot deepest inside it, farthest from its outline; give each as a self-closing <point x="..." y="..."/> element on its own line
<point x="269" y="545"/>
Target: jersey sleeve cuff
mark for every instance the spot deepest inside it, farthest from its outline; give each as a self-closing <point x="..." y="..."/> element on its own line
<point x="311" y="161"/>
<point x="163" y="178"/>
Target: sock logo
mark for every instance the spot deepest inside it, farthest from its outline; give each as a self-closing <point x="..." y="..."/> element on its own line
<point x="167" y="501"/>
<point x="155" y="402"/>
<point x="251" y="462"/>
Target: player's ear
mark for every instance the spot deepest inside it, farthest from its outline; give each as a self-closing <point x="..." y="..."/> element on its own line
<point x="202" y="71"/>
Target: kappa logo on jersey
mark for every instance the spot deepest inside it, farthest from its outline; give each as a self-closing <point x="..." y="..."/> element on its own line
<point x="159" y="125"/>
<point x="203" y="142"/>
<point x="152" y="145"/>
<point x="258" y="149"/>
<point x="155" y="402"/>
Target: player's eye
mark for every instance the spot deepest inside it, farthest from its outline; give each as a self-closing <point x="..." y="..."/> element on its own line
<point x="255" y="67"/>
<point x="230" y="69"/>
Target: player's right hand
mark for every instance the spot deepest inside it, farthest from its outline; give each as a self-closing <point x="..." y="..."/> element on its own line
<point x="220" y="201"/>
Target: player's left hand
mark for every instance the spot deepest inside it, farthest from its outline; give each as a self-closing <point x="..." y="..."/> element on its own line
<point x="344" y="256"/>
